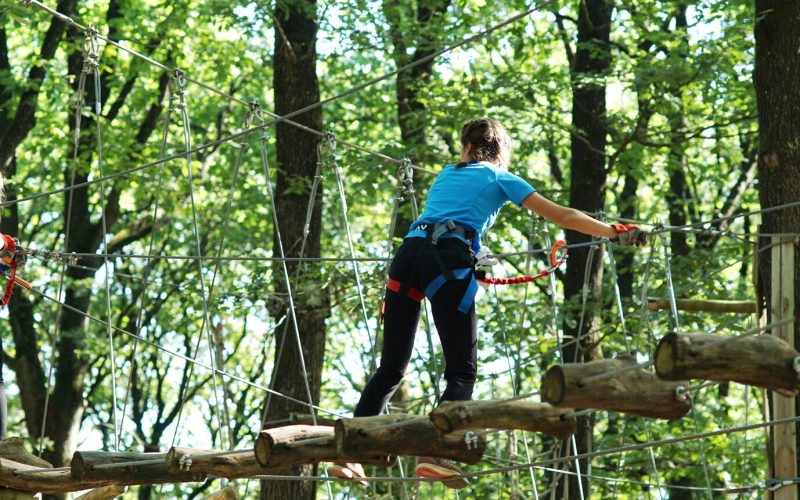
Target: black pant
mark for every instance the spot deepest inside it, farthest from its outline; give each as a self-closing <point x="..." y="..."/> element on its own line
<point x="416" y="265"/>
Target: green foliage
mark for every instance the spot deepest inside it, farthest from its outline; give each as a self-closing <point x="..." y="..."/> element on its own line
<point x="520" y="75"/>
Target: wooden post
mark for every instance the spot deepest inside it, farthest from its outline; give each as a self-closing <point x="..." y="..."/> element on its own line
<point x="505" y="415"/>
<point x="782" y="307"/>
<point x="232" y="465"/>
<point x="761" y="360"/>
<point x="407" y="435"/>
<point x="615" y="385"/>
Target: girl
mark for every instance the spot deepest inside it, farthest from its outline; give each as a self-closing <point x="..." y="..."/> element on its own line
<point x="436" y="260"/>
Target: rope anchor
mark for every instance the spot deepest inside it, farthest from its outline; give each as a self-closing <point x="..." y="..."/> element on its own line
<point x="471" y="440"/>
<point x="185" y="462"/>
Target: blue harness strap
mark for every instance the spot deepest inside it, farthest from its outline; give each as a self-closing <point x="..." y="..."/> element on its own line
<point x="459" y="274"/>
<point x="432" y="233"/>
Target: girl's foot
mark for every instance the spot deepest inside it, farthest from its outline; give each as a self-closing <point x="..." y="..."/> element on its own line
<point x="443" y="470"/>
<point x="349" y="471"/>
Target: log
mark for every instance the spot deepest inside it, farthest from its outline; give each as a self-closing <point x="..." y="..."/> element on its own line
<point x="104" y="493"/>
<point x="505" y="415"/>
<point x="304" y="444"/>
<point x="707" y="305"/>
<point x="13" y="448"/>
<point x="620" y="385"/>
<point x="130" y="468"/>
<point x="43" y="480"/>
<point x="227" y="493"/>
<point x="285" y="445"/>
<point x="23" y="477"/>
<point x="295" y="418"/>
<point x="232" y="465"/>
<point x="401" y="434"/>
<point x="762" y="360"/>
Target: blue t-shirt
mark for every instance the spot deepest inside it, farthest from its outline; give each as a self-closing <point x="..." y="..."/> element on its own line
<point x="472" y="195"/>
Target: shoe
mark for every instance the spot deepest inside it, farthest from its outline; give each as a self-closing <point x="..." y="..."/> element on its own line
<point x="443" y="470"/>
<point x="349" y="471"/>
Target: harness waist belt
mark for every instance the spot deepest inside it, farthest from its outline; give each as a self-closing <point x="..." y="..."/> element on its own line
<point x="447" y="229"/>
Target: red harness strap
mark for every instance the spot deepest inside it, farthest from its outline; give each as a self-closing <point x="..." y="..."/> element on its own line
<point x="412" y="293"/>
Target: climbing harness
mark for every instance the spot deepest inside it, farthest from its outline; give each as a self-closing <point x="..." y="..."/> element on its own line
<point x="432" y="233"/>
<point x="555" y="263"/>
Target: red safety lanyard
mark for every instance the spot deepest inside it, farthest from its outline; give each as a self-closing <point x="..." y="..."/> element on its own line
<point x="555" y="262"/>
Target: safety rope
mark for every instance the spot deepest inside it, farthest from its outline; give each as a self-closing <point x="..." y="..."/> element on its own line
<point x="555" y="263"/>
<point x="676" y="325"/>
<point x="79" y="102"/>
<point x="180" y="92"/>
<point x="629" y="352"/>
<point x="150" y="246"/>
<point x="329" y="155"/>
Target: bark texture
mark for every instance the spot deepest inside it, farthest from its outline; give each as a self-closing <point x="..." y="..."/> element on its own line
<point x="296" y="86"/>
<point x="615" y="385"/>
<point x="777" y="84"/>
<point x="762" y="360"/>
<point x="587" y="192"/>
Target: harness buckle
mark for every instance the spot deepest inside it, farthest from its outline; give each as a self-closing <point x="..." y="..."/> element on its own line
<point x="441" y="228"/>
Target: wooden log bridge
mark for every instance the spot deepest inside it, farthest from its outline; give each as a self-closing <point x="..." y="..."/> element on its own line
<point x="454" y="431"/>
<point x="401" y="434"/>
<point x="506" y="415"/>
<point x="231" y="464"/>
<point x="761" y="360"/>
<point x="126" y="468"/>
<point x="304" y="444"/>
<point x="619" y="385"/>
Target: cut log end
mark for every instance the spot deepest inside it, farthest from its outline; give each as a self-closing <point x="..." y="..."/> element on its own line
<point x="553" y="385"/>
<point x="441" y="421"/>
<point x="262" y="450"/>
<point x="665" y="357"/>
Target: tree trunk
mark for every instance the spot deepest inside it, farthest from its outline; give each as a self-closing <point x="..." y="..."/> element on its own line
<point x="777" y="84"/>
<point x="678" y="196"/>
<point x="587" y="192"/>
<point x="411" y="110"/>
<point x="295" y="83"/>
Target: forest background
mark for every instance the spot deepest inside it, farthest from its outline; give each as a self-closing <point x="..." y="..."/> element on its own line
<point x="637" y="110"/>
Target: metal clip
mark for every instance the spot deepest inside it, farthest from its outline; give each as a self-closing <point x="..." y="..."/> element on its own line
<point x="91" y="51"/>
<point x="683" y="394"/>
<point x="185" y="462"/>
<point x="776" y="484"/>
<point x="471" y="440"/>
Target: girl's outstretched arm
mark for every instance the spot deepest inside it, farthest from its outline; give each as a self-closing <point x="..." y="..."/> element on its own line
<point x="567" y="217"/>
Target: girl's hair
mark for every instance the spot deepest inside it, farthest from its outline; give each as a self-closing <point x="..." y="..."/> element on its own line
<point x="490" y="141"/>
